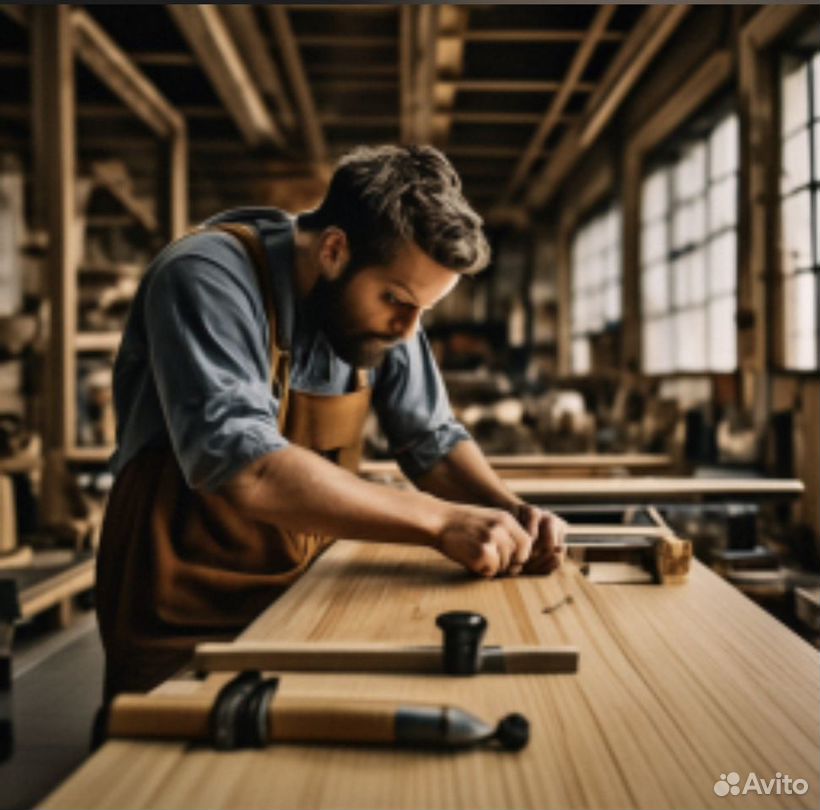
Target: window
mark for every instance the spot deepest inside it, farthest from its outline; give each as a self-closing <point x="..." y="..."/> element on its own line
<point x="595" y="283"/>
<point x="800" y="208"/>
<point x="688" y="254"/>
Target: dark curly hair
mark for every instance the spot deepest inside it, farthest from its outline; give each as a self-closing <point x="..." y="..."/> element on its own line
<point x="386" y="196"/>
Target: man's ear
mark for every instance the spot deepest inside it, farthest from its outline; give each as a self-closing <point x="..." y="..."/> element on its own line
<point x="334" y="252"/>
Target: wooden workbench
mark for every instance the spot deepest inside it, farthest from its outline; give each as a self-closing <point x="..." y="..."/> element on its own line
<point x="677" y="685"/>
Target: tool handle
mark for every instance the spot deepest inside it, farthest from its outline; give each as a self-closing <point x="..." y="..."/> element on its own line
<point x="295" y="719"/>
<point x="290" y="719"/>
<point x="168" y="717"/>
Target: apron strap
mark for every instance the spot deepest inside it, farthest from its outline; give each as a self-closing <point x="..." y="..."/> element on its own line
<point x="280" y="360"/>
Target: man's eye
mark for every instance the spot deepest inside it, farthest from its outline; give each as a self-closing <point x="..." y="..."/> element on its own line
<point x="391" y="299"/>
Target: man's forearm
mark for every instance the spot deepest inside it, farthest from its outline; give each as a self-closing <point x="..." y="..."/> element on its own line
<point x="298" y="490"/>
<point x="466" y="476"/>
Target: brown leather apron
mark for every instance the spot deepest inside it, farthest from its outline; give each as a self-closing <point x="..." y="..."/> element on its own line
<point x="177" y="566"/>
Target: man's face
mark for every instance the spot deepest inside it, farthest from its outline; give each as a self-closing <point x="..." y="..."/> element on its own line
<point x="366" y="313"/>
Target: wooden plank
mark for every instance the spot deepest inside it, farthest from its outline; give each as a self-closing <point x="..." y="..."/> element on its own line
<point x="209" y="38"/>
<point x="662" y="490"/>
<point x="178" y="184"/>
<point x="289" y="51"/>
<point x="576" y="70"/>
<point x="676" y="686"/>
<point x="244" y="26"/>
<point x="114" y="68"/>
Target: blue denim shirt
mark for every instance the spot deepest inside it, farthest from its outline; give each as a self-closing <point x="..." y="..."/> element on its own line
<point x="193" y="364"/>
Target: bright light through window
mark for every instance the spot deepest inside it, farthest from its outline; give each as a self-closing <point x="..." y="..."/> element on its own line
<point x="595" y="283"/>
<point x="689" y="255"/>
<point x="800" y="208"/>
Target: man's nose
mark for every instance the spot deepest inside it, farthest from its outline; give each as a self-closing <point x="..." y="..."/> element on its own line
<point x="404" y="326"/>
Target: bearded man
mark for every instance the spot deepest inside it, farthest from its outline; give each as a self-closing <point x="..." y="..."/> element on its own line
<point x="254" y="349"/>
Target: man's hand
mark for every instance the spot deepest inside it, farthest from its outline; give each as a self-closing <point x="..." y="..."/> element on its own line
<point x="548" y="532"/>
<point x="487" y="542"/>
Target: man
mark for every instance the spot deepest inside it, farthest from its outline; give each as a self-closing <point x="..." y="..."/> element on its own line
<point x="253" y="352"/>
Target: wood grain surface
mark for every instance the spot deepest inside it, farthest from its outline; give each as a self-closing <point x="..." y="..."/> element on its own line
<point x="657" y="489"/>
<point x="676" y="686"/>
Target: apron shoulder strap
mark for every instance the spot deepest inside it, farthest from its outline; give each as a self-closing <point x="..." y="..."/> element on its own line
<point x="249" y="238"/>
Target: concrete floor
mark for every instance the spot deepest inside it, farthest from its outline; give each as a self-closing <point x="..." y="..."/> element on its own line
<point x="56" y="691"/>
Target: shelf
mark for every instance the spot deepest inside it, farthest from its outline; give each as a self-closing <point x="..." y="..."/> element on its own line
<point x="97" y="341"/>
<point x="89" y="455"/>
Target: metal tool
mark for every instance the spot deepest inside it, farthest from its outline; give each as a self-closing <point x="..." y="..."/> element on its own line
<point x="461" y="653"/>
<point x="247" y="713"/>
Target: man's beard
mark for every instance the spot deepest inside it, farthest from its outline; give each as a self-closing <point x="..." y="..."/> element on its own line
<point x="359" y="349"/>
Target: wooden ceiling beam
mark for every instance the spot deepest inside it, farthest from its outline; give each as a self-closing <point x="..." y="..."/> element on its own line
<point x="652" y="31"/>
<point x="244" y="27"/>
<point x="116" y="70"/>
<point x="164" y="59"/>
<point x="514" y="86"/>
<point x="580" y="60"/>
<point x="295" y="68"/>
<point x="209" y="38"/>
<point x="344" y="41"/>
<point x="536" y="35"/>
<point x="508" y="119"/>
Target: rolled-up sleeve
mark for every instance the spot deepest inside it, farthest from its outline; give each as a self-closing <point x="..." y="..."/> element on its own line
<point x="413" y="409"/>
<point x="207" y="338"/>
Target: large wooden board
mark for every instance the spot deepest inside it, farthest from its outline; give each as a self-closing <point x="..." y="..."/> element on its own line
<point x="657" y="490"/>
<point x="677" y="685"/>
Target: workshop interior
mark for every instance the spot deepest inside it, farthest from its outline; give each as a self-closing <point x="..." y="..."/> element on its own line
<point x="641" y="357"/>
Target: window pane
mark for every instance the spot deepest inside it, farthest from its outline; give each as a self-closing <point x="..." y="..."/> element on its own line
<point x="800" y="321"/>
<point x="723" y="204"/>
<point x="654" y="200"/>
<point x="801" y="304"/>
<point x="654" y="242"/>
<point x="655" y="290"/>
<point x="690" y="339"/>
<point x="794" y="94"/>
<point x="612" y="302"/>
<point x="657" y="346"/>
<point x="723" y="147"/>
<point x="697" y="276"/>
<point x="722" y="332"/>
<point x="795" y="170"/>
<point x="680" y="281"/>
<point x="817" y="143"/>
<point x="796" y="226"/>
<point x="690" y="171"/>
<point x="817" y="227"/>
<point x="689" y="223"/>
<point x="723" y="264"/>
<point x="816" y="77"/>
